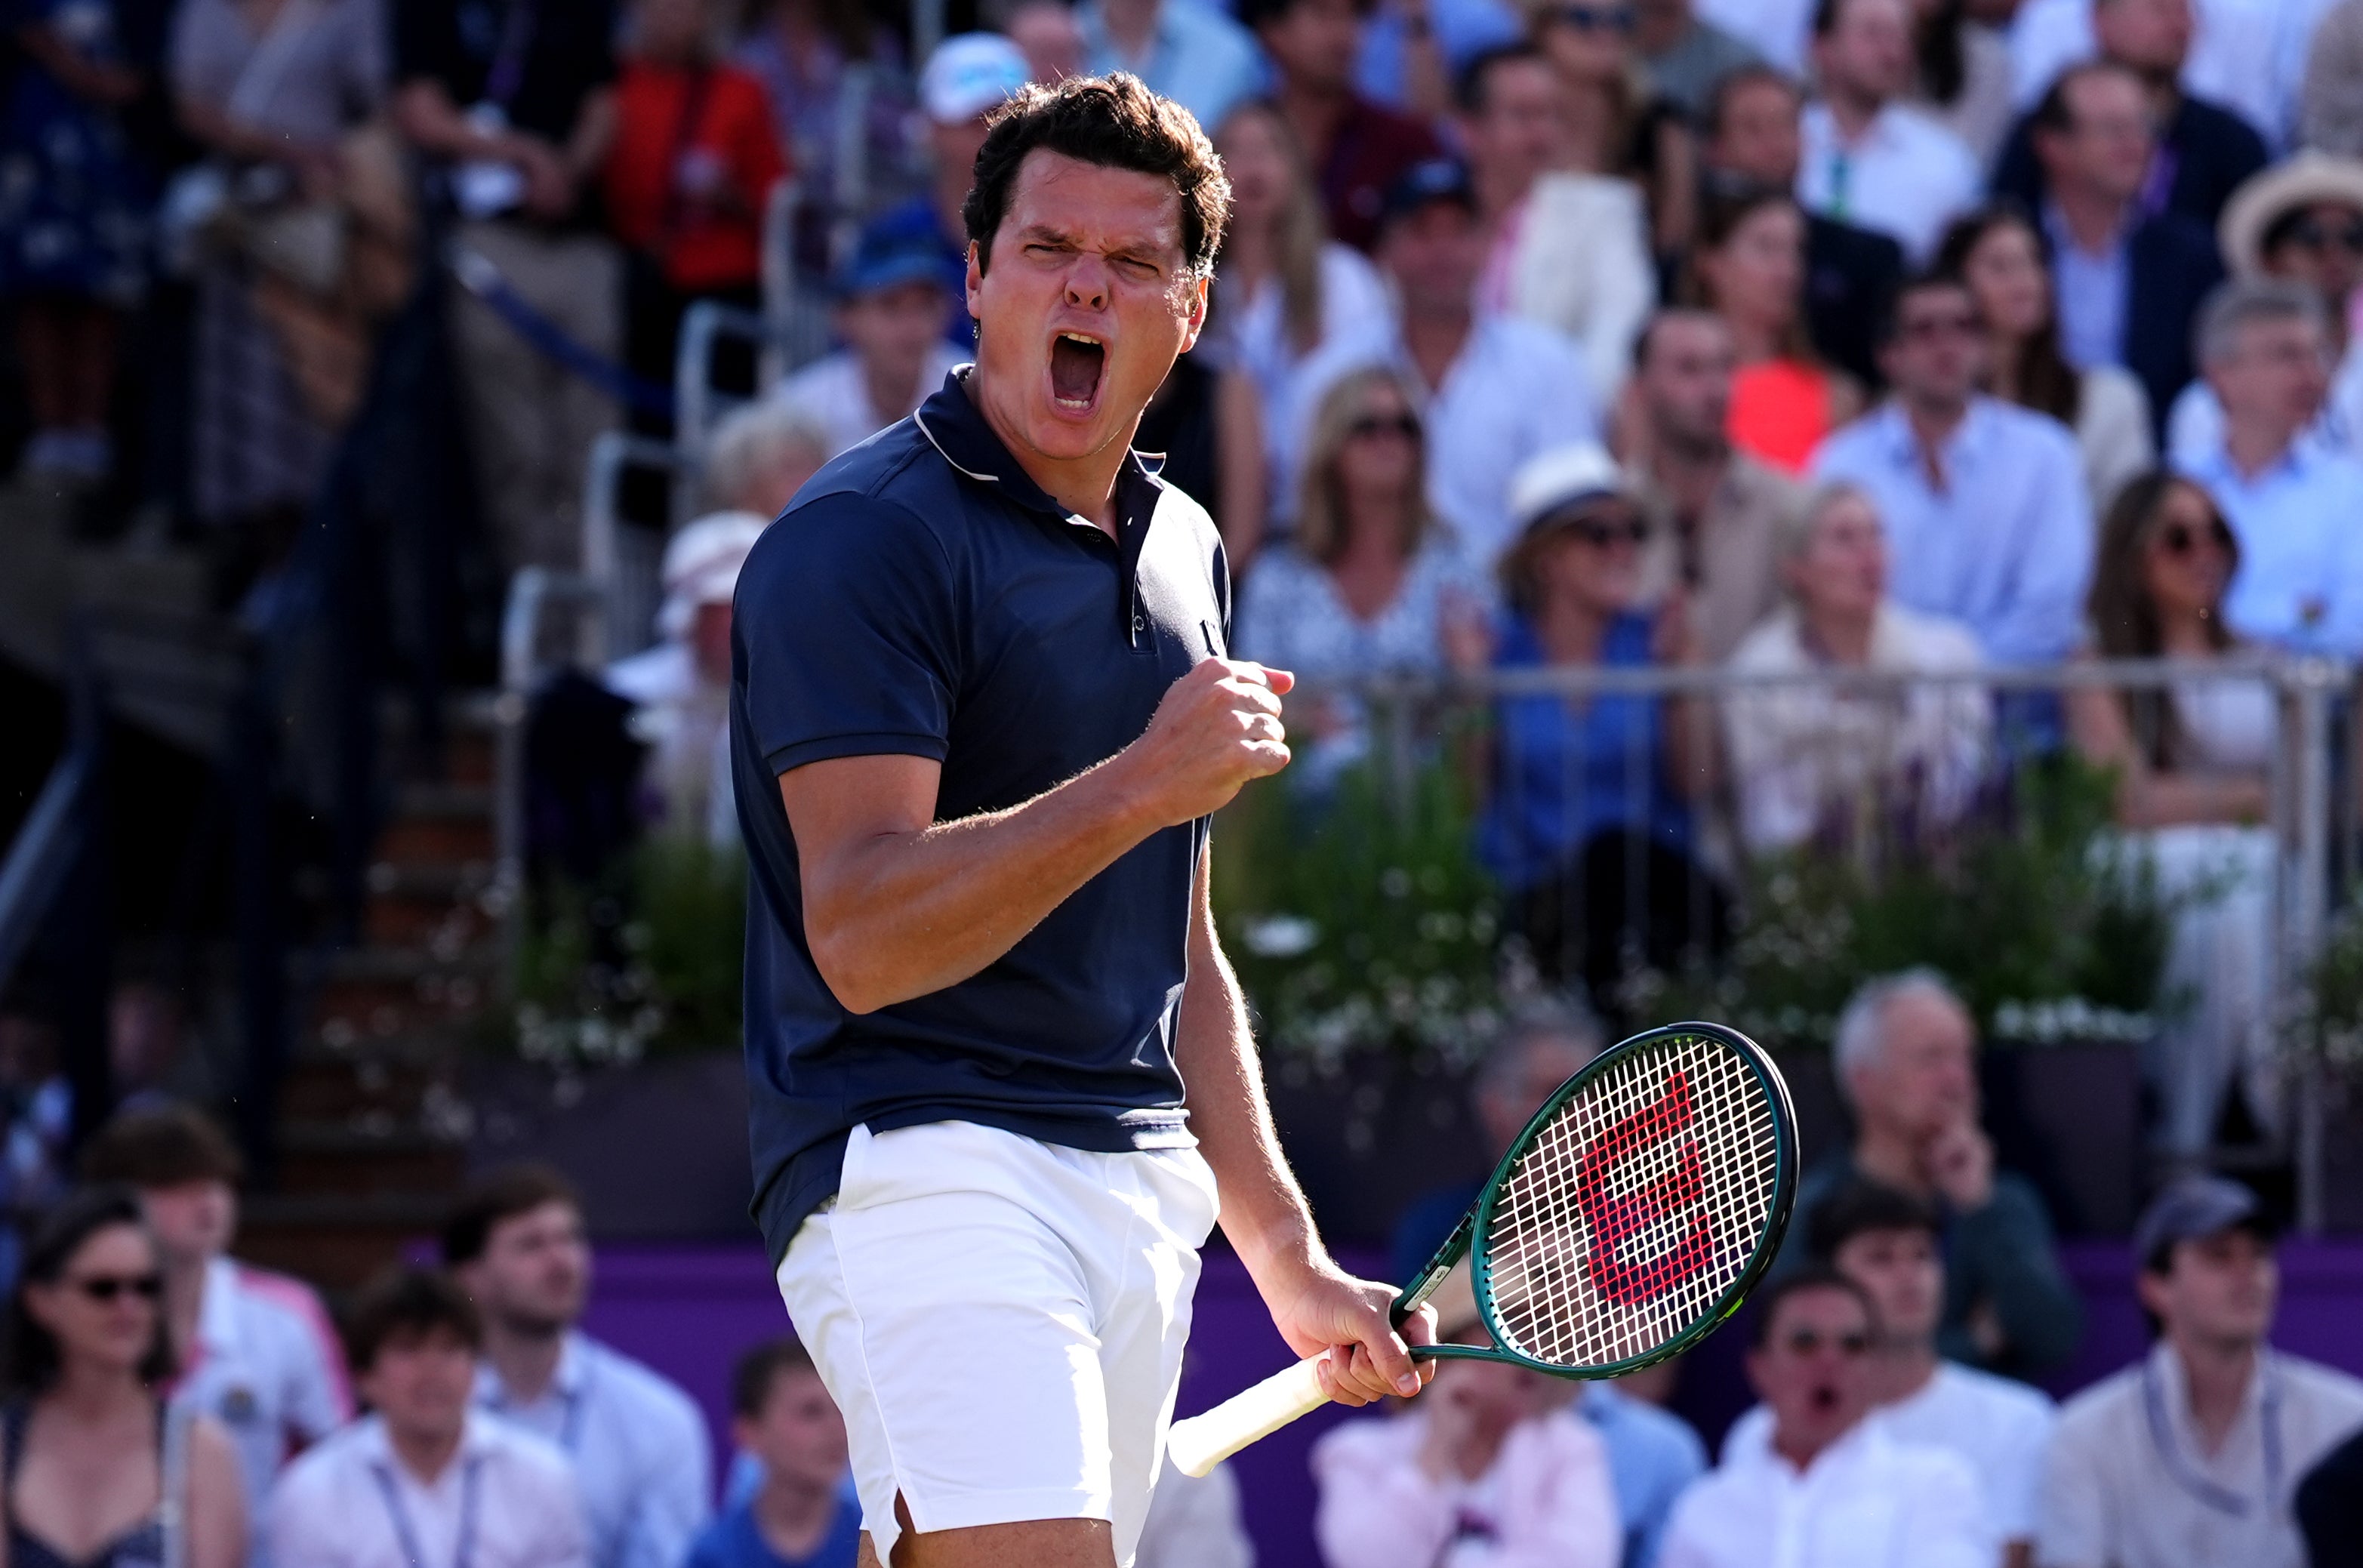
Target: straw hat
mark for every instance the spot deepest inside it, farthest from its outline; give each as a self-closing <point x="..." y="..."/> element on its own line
<point x="2265" y="198"/>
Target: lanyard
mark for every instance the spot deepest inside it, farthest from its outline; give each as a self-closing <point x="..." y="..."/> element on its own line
<point x="399" y="1516"/>
<point x="2185" y="1475"/>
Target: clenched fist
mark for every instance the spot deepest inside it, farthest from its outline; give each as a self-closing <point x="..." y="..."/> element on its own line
<point x="1217" y="728"/>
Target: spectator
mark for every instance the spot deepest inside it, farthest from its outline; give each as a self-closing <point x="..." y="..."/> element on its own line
<point x="266" y="401"/>
<point x="2205" y="150"/>
<point x="1589" y="824"/>
<point x="782" y="1415"/>
<point x="257" y="1353"/>
<point x="968" y="77"/>
<point x="1750" y="270"/>
<point x="93" y="1469"/>
<point x="2191" y="764"/>
<point x="681" y="686"/>
<point x="2265" y="349"/>
<point x="2331" y="113"/>
<point x="1685" y="56"/>
<point x="1826" y="1489"/>
<point x="524" y="113"/>
<point x="2192" y="1455"/>
<point x="1482" y="1457"/>
<point x="1412" y="49"/>
<point x="1867" y="157"/>
<point x="1209" y="423"/>
<point x="1851" y="272"/>
<point x="1608" y="125"/>
<point x="36" y="1114"/>
<point x="892" y="299"/>
<point x="840" y="87"/>
<point x="636" y="1444"/>
<point x="2127" y="285"/>
<point x="1050" y="34"/>
<point x="1814" y="759"/>
<point x="760" y="456"/>
<point x="1368" y="584"/>
<point x="1905" y="1052"/>
<point x="1961" y="76"/>
<point x="1283" y="289"/>
<point x="1188" y="50"/>
<point x="2329" y="1505"/>
<point x="422" y="1481"/>
<point x="73" y="226"/>
<point x="1983" y="502"/>
<point x="1194" y="1522"/>
<point x="2301" y="221"/>
<point x="1777" y="30"/>
<point x="1357" y="149"/>
<point x="1889" y="1245"/>
<point x="688" y="179"/>
<point x="1997" y="252"/>
<point x="1716" y="513"/>
<point x="1496" y="390"/>
<point x="1566" y="249"/>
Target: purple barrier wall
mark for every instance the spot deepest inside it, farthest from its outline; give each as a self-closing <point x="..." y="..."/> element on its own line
<point x="689" y="1311"/>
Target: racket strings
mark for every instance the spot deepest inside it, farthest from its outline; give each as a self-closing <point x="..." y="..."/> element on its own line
<point x="1634" y="1208"/>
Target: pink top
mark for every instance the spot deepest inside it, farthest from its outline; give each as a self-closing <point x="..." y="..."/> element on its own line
<point x="1546" y="1502"/>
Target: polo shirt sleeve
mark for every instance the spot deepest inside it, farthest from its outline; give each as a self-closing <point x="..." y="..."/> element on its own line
<point x="847" y="634"/>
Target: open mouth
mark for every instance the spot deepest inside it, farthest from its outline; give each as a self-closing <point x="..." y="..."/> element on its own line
<point x="1075" y="365"/>
<point x="1823" y="1399"/>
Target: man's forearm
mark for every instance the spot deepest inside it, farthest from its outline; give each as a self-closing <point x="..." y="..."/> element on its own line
<point x="902" y="914"/>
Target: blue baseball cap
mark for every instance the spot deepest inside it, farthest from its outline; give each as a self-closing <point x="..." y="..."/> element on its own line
<point x="2192" y="1207"/>
<point x="892" y="253"/>
<point x="1433" y="180"/>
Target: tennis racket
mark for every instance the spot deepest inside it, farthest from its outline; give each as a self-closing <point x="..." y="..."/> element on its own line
<point x="1632" y="1216"/>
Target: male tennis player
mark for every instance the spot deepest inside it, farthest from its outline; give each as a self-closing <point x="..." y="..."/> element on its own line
<point x="980" y="716"/>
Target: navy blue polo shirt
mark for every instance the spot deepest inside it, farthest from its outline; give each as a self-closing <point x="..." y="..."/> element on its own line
<point x="924" y="598"/>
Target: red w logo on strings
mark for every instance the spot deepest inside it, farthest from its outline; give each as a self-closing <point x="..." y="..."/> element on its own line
<point x="1614" y="1219"/>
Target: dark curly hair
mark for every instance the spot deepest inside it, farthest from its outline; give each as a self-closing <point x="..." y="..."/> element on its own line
<point x="1117" y="123"/>
<point x="33" y="1359"/>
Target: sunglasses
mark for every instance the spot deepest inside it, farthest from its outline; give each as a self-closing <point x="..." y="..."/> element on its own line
<point x="1929" y="328"/>
<point x="1372" y="425"/>
<point x="1593" y="18"/>
<point x="1805" y="1341"/>
<point x="2180" y="539"/>
<point x="2314" y="235"/>
<point x="1599" y="533"/>
<point x="107" y="1288"/>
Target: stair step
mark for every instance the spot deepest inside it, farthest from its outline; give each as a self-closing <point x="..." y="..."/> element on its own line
<point x="432" y="923"/>
<point x="446" y="879"/>
<point x="343" y="1159"/>
<point x="435" y="839"/>
<point x="464" y="802"/>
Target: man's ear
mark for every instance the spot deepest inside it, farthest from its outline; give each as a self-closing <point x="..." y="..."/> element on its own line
<point x="974" y="286"/>
<point x="1197" y="323"/>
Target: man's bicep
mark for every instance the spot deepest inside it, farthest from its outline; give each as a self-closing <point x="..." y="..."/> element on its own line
<point x="840" y="803"/>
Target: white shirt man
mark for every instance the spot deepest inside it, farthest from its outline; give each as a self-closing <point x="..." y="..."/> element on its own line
<point x="1829" y="1489"/>
<point x="1868" y="159"/>
<point x="2249" y="55"/>
<point x="2193" y="1455"/>
<point x="266" y="1365"/>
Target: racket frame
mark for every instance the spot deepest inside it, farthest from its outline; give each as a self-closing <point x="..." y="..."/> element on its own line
<point x="1478" y="1221"/>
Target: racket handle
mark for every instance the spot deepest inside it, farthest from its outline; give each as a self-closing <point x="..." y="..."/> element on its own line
<point x="1202" y="1441"/>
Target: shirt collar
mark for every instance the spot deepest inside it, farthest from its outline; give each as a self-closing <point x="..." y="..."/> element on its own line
<point x="565" y="1382"/>
<point x="2062" y="242"/>
<point x="480" y="1436"/>
<point x="1903" y="442"/>
<point x="2167" y="1367"/>
<point x="953" y="424"/>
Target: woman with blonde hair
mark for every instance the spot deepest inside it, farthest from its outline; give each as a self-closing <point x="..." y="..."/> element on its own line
<point x="1611" y="124"/>
<point x="1749" y="269"/>
<point x="1369" y="583"/>
<point x="1817" y="757"/>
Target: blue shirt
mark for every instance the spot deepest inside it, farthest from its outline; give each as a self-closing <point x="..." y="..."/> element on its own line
<point x="733" y="1541"/>
<point x="923" y="598"/>
<point x="2091" y="293"/>
<point x="1565" y="770"/>
<point x="1652" y="1456"/>
<point x="2004" y="544"/>
<point x="2300" y="585"/>
<point x="1198" y="56"/>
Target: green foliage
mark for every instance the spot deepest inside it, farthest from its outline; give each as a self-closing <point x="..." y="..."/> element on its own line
<point x="1362" y="918"/>
<point x="651" y="960"/>
<point x="2333" y="1024"/>
<point x="2051" y="925"/>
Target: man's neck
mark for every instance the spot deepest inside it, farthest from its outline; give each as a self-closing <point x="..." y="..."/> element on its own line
<point x="1435" y="342"/>
<point x="2217" y="1373"/>
<point x="2164" y="89"/>
<point x="525" y="1360"/>
<point x="1498" y="190"/>
<point x="1932" y="423"/>
<point x="2095" y="221"/>
<point x="1841" y="638"/>
<point x="1851" y="112"/>
<point x="1131" y="25"/>
<point x="1892" y="1159"/>
<point x="1084" y="486"/>
<point x="1690" y="473"/>
<point x="792" y="1516"/>
<point x="1797" y="1451"/>
<point x="1899" y="1372"/>
<point x="425" y="1455"/>
<point x="2254" y="448"/>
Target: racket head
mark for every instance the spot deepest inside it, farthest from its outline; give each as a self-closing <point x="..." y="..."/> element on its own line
<point x="1637" y="1209"/>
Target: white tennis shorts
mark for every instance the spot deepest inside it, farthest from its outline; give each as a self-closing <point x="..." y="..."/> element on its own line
<point x="1002" y="1322"/>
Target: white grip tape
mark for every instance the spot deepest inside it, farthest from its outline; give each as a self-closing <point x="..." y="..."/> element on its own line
<point x="1202" y="1441"/>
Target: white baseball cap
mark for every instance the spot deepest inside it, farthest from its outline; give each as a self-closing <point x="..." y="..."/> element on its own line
<point x="701" y="565"/>
<point x="1560" y="477"/>
<point x="969" y="73"/>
